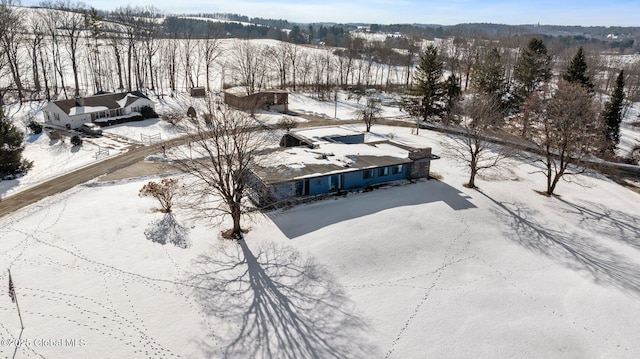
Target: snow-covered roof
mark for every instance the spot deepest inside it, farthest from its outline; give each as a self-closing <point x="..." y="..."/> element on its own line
<point x="325" y="133"/>
<point x="81" y="110"/>
<point x="243" y="91"/>
<point x="294" y="163"/>
<point x="104" y="102"/>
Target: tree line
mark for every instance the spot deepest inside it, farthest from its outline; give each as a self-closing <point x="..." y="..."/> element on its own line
<point x="559" y="118"/>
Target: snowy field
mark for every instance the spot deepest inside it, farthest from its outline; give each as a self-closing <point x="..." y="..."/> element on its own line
<point x="422" y="270"/>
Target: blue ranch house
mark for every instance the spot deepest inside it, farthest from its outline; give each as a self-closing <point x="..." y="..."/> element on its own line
<point x="326" y="160"/>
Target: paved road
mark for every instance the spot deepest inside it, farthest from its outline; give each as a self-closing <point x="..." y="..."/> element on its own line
<point x="69" y="180"/>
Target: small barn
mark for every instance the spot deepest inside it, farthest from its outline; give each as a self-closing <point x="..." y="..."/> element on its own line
<point x="198" y="92"/>
<point x="72" y="113"/>
<point x="333" y="159"/>
<point x="270" y="100"/>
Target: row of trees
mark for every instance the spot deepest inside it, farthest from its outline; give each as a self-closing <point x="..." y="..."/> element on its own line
<point x="41" y="52"/>
<point x="131" y="48"/>
<point x="561" y="120"/>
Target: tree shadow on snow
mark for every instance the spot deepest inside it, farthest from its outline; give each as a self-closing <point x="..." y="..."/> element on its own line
<point x="609" y="223"/>
<point x="278" y="305"/>
<point x="168" y="230"/>
<point x="305" y="219"/>
<point x="574" y="250"/>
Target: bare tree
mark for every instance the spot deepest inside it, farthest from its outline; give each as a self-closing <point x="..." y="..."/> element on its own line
<point x="566" y="129"/>
<point x="52" y="21"/>
<point x="93" y="22"/>
<point x="11" y="36"/>
<point x="211" y="50"/>
<point x="481" y="118"/>
<point x="247" y="62"/>
<point x="115" y="41"/>
<point x="35" y="44"/>
<point x="127" y="17"/>
<point x="280" y="60"/>
<point x="149" y="32"/>
<point x="219" y="158"/>
<point x="369" y="114"/>
<point x="293" y="54"/>
<point x="72" y="26"/>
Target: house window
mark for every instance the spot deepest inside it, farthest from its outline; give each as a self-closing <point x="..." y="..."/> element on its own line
<point x="396" y="169"/>
<point x="368" y="174"/>
<point x="56" y="116"/>
<point x="384" y="171"/>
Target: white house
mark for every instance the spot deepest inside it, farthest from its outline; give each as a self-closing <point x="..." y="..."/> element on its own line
<point x="73" y="113"/>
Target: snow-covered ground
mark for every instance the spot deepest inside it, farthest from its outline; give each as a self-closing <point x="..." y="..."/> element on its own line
<point x="429" y="269"/>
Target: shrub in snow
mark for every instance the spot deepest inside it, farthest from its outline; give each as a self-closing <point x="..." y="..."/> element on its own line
<point x="35" y="127"/>
<point x="171" y="117"/>
<point x="163" y="192"/>
<point x="287" y="123"/>
<point x="191" y="112"/>
<point x="148" y="112"/>
<point x="76" y="140"/>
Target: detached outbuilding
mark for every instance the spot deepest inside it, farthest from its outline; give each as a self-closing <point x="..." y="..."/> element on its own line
<point x="270" y="100"/>
<point x="333" y="159"/>
<point x="72" y="113"/>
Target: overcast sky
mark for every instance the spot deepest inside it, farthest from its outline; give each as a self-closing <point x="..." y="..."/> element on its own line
<point x="445" y="12"/>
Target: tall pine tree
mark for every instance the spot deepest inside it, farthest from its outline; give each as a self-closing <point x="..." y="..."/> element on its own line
<point x="577" y="71"/>
<point x="426" y="100"/>
<point x="488" y="76"/>
<point x="613" y="113"/>
<point x="532" y="70"/>
<point x="11" y="147"/>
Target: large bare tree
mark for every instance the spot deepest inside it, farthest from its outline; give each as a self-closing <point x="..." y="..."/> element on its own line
<point x="566" y="129"/>
<point x="481" y="118"/>
<point x="220" y="153"/>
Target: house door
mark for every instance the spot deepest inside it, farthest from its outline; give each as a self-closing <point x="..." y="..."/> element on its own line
<point x="335" y="183"/>
<point x="302" y="188"/>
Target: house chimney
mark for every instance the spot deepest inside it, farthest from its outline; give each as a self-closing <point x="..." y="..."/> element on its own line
<point x="79" y="101"/>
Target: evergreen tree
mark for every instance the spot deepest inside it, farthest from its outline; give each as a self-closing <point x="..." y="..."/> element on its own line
<point x="452" y="95"/>
<point x="532" y="70"/>
<point x="295" y="35"/>
<point x="488" y="76"/>
<point x="613" y="113"/>
<point x="577" y="71"/>
<point x="11" y="147"/>
<point x="427" y="96"/>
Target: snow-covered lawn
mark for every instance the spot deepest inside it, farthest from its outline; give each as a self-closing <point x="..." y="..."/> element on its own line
<point x="422" y="270"/>
<point x="52" y="158"/>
